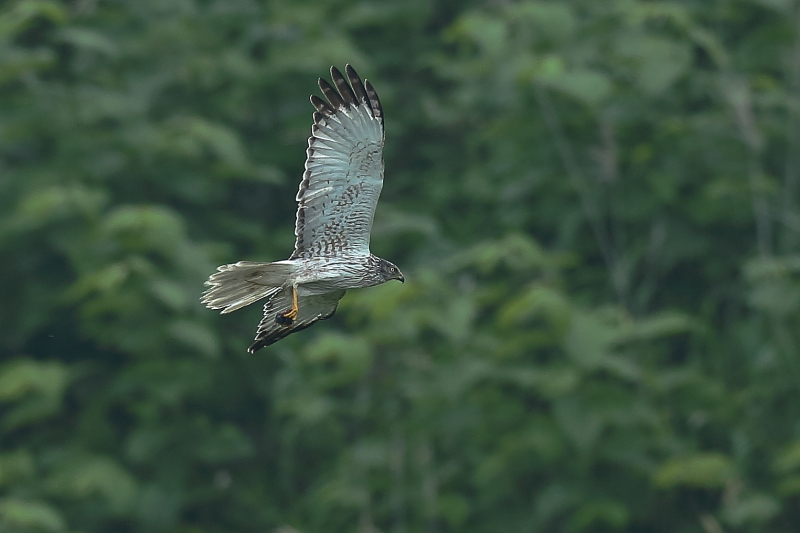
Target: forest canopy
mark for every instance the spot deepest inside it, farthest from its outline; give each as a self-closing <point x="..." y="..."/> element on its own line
<point x="596" y="206"/>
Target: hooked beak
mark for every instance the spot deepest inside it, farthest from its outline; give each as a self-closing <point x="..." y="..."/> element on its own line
<point x="400" y="278"/>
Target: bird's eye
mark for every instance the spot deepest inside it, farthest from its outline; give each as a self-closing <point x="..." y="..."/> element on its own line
<point x="393" y="270"/>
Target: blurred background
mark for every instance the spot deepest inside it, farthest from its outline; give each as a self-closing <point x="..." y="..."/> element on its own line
<point x="596" y="206"/>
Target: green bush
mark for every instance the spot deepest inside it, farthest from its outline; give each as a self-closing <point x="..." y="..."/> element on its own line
<point x="595" y="205"/>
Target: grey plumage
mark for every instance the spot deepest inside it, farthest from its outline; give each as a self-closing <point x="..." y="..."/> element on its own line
<point x="336" y="201"/>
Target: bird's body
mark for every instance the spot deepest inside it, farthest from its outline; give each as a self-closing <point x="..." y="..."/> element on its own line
<point x="318" y="275"/>
<point x="336" y="205"/>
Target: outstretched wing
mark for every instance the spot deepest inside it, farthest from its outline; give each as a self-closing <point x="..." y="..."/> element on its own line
<point x="344" y="170"/>
<point x="310" y="309"/>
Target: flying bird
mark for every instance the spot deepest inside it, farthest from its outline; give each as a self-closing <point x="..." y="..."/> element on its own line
<point x="335" y="206"/>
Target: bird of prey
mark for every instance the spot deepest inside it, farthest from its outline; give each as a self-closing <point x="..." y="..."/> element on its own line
<point x="336" y="202"/>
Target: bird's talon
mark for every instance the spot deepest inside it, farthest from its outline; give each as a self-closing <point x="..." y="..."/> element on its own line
<point x="283" y="319"/>
<point x="286" y="318"/>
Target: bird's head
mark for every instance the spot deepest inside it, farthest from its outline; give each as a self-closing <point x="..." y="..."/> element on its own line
<point x="389" y="271"/>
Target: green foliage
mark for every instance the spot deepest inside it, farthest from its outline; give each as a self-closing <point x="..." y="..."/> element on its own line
<point x="595" y="205"/>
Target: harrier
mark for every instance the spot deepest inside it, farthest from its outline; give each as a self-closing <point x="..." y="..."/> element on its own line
<point x="335" y="205"/>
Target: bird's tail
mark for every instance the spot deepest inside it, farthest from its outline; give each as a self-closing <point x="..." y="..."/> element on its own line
<point x="236" y="285"/>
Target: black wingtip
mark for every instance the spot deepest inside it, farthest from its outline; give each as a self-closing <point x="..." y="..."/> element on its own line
<point x="349" y="91"/>
<point x="321" y="105"/>
<point x="330" y="93"/>
<point x="345" y="91"/>
<point x="358" y="86"/>
<point x="374" y="101"/>
<point x="351" y="73"/>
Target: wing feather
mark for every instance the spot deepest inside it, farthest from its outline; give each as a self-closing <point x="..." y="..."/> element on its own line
<point x="343" y="174"/>
<point x="321" y="105"/>
<point x="330" y="93"/>
<point x="311" y="308"/>
<point x="344" y="89"/>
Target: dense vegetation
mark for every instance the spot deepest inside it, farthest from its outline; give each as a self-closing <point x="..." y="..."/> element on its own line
<point x="596" y="205"/>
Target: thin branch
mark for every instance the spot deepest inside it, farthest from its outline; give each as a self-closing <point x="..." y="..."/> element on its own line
<point x="589" y="206"/>
<point x="430" y="486"/>
<point x="790" y="181"/>
<point x="736" y="91"/>
<point x="710" y="524"/>
<point x="397" y="463"/>
<point x="760" y="205"/>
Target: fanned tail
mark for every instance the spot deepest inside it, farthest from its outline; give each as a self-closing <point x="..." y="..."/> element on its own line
<point x="237" y="285"/>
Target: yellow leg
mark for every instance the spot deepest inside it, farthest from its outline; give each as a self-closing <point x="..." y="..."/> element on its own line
<point x="286" y="318"/>
<point x="292" y="314"/>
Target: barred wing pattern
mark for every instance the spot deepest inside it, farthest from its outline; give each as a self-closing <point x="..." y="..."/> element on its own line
<point x="344" y="170"/>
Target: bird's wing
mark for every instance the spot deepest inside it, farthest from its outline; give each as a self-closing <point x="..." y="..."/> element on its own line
<point x="344" y="170"/>
<point x="310" y="309"/>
